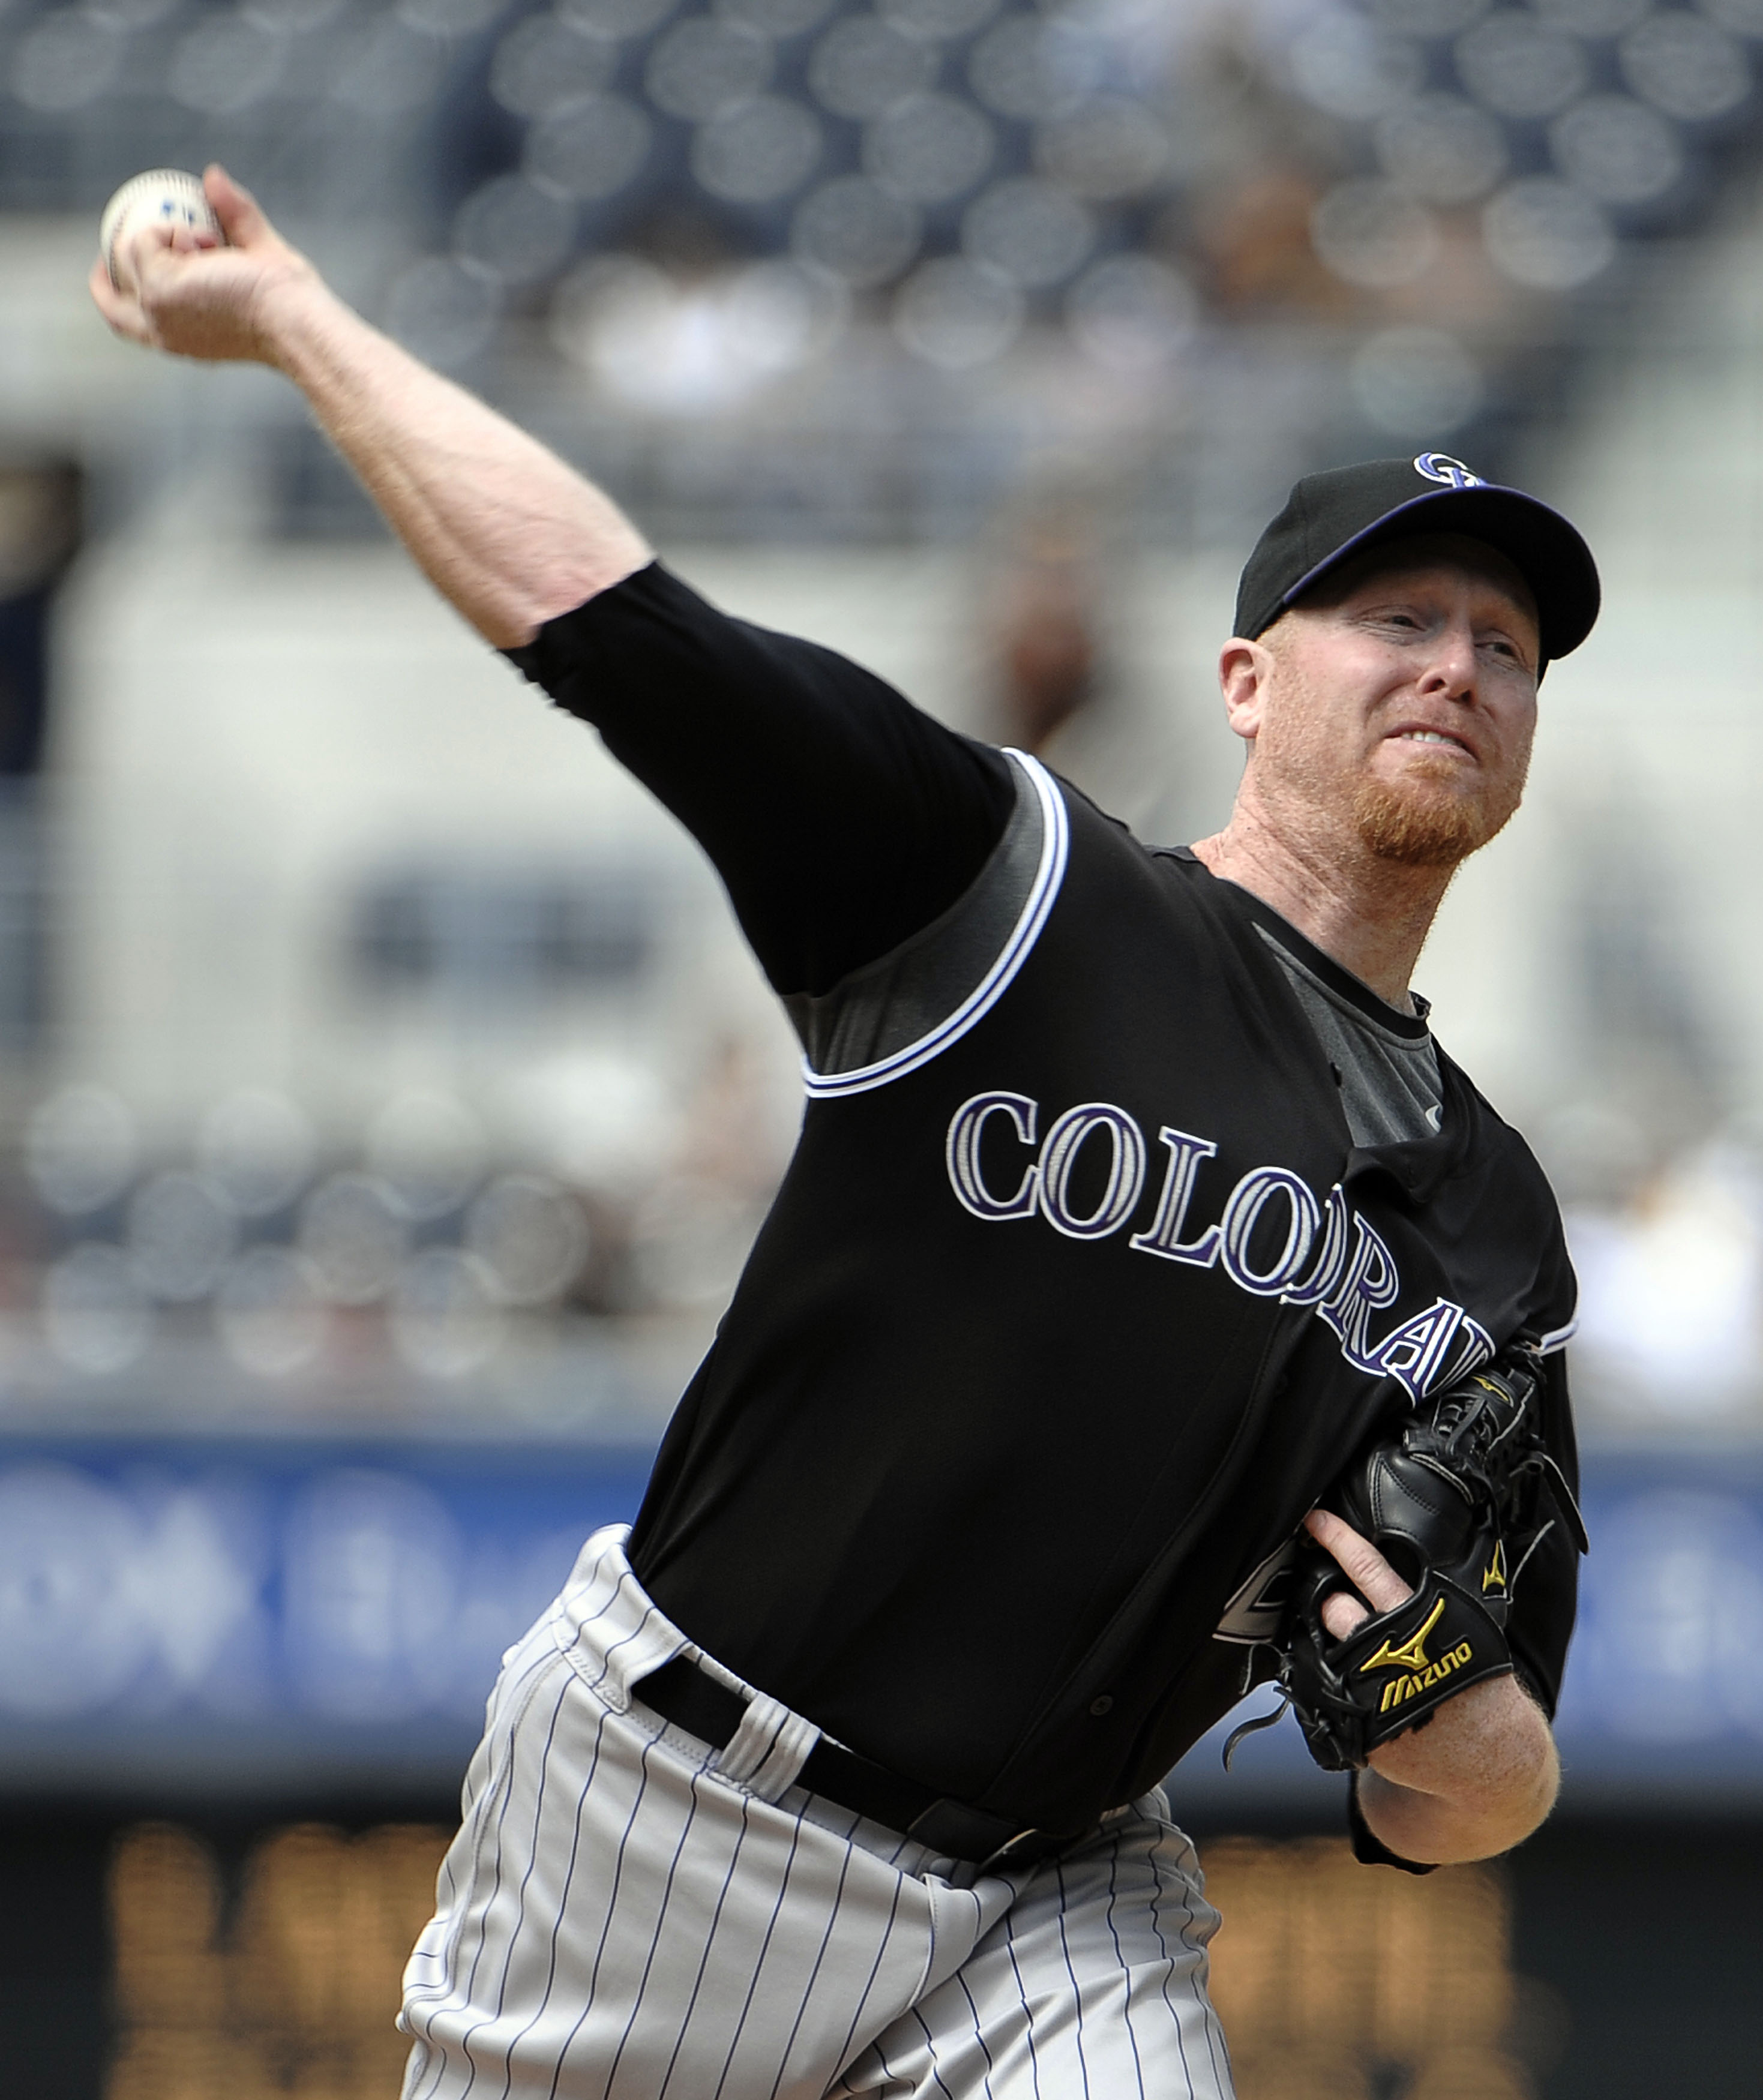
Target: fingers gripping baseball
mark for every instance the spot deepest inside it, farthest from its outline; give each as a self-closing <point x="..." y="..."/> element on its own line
<point x="241" y="217"/>
<point x="1365" y="1567"/>
<point x="179" y="289"/>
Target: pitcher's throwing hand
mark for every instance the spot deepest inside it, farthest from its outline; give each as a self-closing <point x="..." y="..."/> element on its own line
<point x="178" y="288"/>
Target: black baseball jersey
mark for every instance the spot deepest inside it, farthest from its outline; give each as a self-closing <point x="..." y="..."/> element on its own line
<point x="1069" y="1308"/>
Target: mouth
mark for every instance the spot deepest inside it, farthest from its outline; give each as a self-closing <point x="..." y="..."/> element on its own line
<point x="1416" y="733"/>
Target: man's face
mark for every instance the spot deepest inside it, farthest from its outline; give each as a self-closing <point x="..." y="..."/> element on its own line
<point x="1401" y="696"/>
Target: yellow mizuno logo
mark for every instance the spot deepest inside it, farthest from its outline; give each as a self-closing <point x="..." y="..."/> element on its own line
<point x="1494" y="1575"/>
<point x="1411" y="1655"/>
<point x="1397" y="1690"/>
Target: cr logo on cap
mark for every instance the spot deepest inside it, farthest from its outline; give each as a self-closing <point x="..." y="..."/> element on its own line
<point x="1441" y="466"/>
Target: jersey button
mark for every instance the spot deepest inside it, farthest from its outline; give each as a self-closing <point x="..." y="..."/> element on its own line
<point x="1104" y="1704"/>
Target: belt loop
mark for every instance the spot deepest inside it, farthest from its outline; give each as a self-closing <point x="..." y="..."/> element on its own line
<point x="767" y="1751"/>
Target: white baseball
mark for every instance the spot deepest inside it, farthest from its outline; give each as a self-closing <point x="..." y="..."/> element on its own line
<point x="163" y="197"/>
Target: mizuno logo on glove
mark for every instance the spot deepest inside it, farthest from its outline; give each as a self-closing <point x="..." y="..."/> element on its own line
<point x="1399" y="1689"/>
<point x="1411" y="1655"/>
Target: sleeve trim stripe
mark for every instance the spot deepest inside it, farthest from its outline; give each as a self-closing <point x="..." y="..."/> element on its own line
<point x="1055" y="847"/>
<point x="1558" y="1338"/>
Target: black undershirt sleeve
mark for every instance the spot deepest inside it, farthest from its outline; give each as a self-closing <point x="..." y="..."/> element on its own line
<point x="841" y="819"/>
<point x="1369" y="1849"/>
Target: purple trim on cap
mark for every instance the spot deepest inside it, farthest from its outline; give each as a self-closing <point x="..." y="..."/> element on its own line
<point x="1414" y="503"/>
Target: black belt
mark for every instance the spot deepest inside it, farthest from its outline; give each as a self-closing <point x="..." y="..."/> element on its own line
<point x="680" y="1692"/>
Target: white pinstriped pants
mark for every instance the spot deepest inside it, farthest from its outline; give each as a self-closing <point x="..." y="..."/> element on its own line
<point x="626" y="1914"/>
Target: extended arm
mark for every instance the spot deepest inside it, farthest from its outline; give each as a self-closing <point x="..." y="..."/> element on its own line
<point x="1480" y="1777"/>
<point x="841" y="819"/>
<point x="501" y="526"/>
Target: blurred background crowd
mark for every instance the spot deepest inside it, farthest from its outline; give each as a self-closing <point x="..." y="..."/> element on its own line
<point x="364" y="1032"/>
<point x="377" y="1063"/>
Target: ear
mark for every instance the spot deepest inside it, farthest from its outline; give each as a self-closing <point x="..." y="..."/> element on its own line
<point x="1244" y="669"/>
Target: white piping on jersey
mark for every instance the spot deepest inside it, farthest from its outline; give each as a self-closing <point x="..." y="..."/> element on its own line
<point x="1558" y="1338"/>
<point x="1055" y="849"/>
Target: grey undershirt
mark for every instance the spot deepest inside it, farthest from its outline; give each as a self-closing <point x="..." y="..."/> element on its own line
<point x="895" y="1000"/>
<point x="1390" y="1089"/>
<point x="1389" y="1083"/>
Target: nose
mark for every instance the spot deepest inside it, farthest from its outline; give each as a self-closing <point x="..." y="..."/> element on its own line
<point x="1452" y="665"/>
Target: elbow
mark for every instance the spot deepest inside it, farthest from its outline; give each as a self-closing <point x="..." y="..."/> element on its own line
<point x="522" y="610"/>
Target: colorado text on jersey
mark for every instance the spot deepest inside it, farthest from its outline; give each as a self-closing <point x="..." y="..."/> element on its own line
<point x="1349" y="1277"/>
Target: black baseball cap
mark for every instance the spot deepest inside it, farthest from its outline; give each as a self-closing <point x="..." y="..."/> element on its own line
<point x="1330" y="516"/>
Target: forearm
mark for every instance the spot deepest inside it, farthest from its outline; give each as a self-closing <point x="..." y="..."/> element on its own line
<point x="1478" y="1779"/>
<point x="501" y="526"/>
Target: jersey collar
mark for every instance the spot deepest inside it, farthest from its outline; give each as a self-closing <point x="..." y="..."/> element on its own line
<point x="1339" y="980"/>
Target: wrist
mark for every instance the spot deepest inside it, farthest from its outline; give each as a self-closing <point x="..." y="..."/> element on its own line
<point x="1486" y="1763"/>
<point x="295" y="315"/>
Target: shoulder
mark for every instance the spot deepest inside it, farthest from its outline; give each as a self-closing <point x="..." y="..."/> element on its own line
<point x="1492" y="1136"/>
<point x="1517" y="1199"/>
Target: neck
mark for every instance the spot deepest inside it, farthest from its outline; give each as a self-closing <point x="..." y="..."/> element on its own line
<point x="1371" y="916"/>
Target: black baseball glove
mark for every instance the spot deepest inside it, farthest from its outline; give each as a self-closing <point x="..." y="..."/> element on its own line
<point x="1455" y="1500"/>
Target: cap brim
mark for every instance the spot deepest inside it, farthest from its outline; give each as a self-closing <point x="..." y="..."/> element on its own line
<point x="1538" y="542"/>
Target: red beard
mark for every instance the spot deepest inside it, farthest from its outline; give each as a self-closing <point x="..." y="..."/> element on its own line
<point x="1422" y="822"/>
